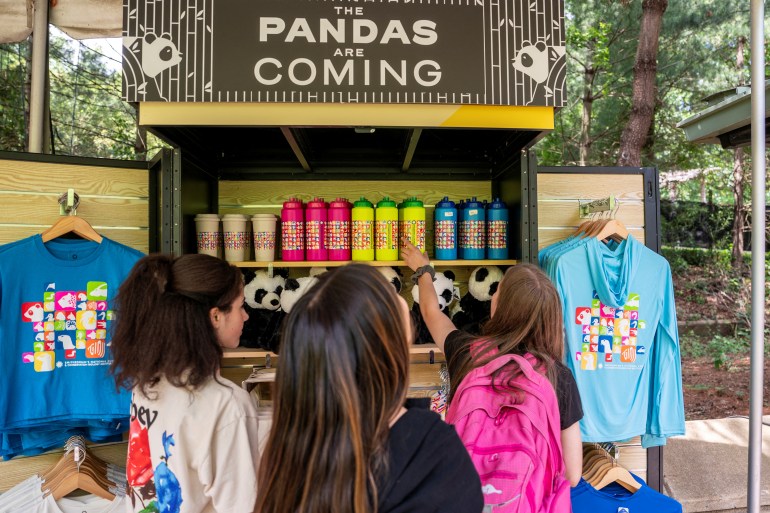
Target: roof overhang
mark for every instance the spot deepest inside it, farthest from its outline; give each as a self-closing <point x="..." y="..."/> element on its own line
<point x="726" y="121"/>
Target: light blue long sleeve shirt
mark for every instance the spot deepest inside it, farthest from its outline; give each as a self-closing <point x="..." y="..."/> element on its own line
<point x="621" y="339"/>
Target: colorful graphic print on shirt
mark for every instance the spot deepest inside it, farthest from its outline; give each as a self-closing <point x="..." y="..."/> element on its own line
<point x="158" y="489"/>
<point x="610" y="335"/>
<point x="68" y="328"/>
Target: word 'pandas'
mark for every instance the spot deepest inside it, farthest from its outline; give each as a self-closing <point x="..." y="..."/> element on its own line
<point x="348" y="31"/>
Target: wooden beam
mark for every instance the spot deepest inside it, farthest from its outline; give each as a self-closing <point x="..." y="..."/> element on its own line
<point x="295" y="147"/>
<point x="414" y="136"/>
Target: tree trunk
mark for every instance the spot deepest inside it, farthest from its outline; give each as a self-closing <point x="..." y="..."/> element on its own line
<point x="738" y="177"/>
<point x="27" y="90"/>
<point x="588" y="101"/>
<point x="738" y="221"/>
<point x="643" y="97"/>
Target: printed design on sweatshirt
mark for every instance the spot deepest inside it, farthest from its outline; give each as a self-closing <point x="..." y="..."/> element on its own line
<point x="68" y="328"/>
<point x="609" y="335"/>
<point x="157" y="489"/>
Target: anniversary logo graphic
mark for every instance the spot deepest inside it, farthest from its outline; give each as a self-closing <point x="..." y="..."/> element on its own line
<point x="495" y="52"/>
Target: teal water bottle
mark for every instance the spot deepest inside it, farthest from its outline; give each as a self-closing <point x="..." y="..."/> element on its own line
<point x="497" y="230"/>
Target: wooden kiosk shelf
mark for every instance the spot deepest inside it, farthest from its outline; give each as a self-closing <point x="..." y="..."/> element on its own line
<point x="245" y="352"/>
<point x="375" y="263"/>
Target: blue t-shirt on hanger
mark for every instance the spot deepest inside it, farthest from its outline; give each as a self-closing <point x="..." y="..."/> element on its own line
<point x="616" y="499"/>
<point x="56" y="313"/>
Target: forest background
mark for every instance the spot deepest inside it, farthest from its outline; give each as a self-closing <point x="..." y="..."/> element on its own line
<point x="635" y="68"/>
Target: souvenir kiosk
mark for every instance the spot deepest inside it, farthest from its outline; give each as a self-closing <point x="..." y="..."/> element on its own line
<point x="266" y="100"/>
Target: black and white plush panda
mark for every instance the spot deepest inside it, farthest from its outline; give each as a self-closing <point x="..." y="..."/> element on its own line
<point x="295" y="288"/>
<point x="476" y="304"/>
<point x="394" y="276"/>
<point x="446" y="292"/>
<point x="263" y="302"/>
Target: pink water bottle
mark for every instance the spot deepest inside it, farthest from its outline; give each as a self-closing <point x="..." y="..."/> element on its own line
<point x="292" y="231"/>
<point x="338" y="229"/>
<point x="315" y="230"/>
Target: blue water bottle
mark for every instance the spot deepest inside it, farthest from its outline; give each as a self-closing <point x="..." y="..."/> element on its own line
<point x="445" y="230"/>
<point x="460" y="229"/>
<point x="497" y="230"/>
<point x="474" y="230"/>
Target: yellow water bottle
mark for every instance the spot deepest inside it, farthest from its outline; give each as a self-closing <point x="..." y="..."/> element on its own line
<point x="386" y="230"/>
<point x="362" y="231"/>
<point x="413" y="212"/>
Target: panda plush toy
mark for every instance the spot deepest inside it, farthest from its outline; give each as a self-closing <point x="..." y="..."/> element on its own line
<point x="446" y="292"/>
<point x="293" y="289"/>
<point x="475" y="305"/>
<point x="263" y="302"/>
<point x="394" y="276"/>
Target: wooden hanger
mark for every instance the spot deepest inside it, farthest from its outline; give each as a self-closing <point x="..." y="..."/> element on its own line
<point x="616" y="474"/>
<point x="614" y="230"/>
<point x="71" y="224"/>
<point x="77" y="469"/>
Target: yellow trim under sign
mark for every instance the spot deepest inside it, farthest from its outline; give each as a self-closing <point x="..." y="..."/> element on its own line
<point x="347" y="114"/>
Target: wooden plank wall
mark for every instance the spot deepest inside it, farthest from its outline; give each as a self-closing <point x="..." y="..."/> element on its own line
<point x="114" y="200"/>
<point x="560" y="194"/>
<point x="116" y="203"/>
<point x="558" y="198"/>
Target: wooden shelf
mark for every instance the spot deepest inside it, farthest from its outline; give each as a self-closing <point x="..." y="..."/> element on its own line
<point x="376" y="263"/>
<point x="246" y="352"/>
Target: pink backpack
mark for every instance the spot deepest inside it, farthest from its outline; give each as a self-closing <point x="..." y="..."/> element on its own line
<point x="516" y="448"/>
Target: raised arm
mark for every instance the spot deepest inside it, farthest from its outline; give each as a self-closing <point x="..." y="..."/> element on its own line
<point x="438" y="324"/>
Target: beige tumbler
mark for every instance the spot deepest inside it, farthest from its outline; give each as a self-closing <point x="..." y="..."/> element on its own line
<point x="264" y="237"/>
<point x="208" y="234"/>
<point x="236" y="244"/>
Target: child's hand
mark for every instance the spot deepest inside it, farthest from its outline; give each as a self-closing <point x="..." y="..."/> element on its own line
<point x="413" y="257"/>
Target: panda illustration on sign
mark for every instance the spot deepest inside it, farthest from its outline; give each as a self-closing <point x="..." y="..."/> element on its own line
<point x="546" y="66"/>
<point x="147" y="57"/>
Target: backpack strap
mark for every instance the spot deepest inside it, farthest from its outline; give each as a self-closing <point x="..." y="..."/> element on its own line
<point x="551" y="403"/>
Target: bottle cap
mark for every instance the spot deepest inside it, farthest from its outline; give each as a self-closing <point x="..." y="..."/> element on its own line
<point x="412" y="202"/>
<point x="473" y="203"/>
<point x="497" y="203"/>
<point x="340" y="203"/>
<point x="293" y="203"/>
<point x="317" y="203"/>
<point x="386" y="202"/>
<point x="445" y="203"/>
<point x="363" y="202"/>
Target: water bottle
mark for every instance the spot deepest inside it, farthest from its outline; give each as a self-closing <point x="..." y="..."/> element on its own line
<point x="315" y="230"/>
<point x="474" y="230"/>
<point x="414" y="222"/>
<point x="293" y="231"/>
<point x="386" y="230"/>
<point x="363" y="230"/>
<point x="497" y="230"/>
<point x="338" y="229"/>
<point x="461" y="229"/>
<point x="445" y="229"/>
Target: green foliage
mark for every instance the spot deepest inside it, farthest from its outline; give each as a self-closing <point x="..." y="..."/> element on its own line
<point x="88" y="116"/>
<point x="683" y="258"/>
<point x="13" y="71"/>
<point x="696" y="59"/>
<point x="691" y="345"/>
